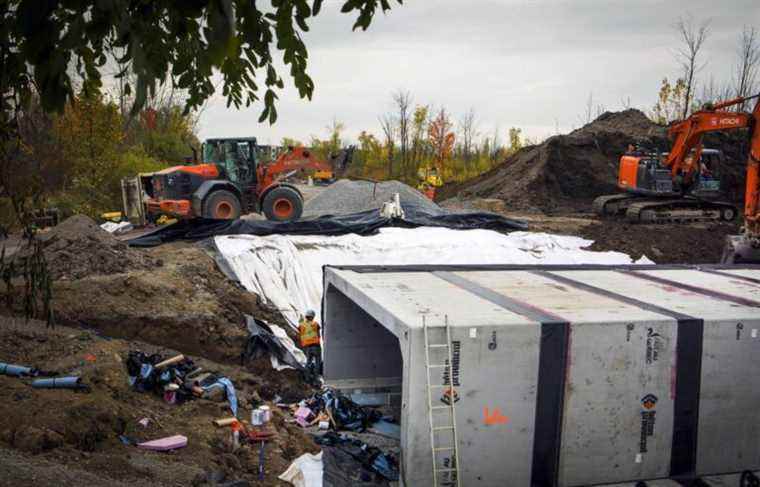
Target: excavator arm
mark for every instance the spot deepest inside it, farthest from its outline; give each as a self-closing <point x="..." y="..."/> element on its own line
<point x="301" y="159"/>
<point x="687" y="147"/>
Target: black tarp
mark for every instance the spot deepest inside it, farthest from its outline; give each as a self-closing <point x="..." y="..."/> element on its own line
<point x="362" y="223"/>
<point x="262" y="341"/>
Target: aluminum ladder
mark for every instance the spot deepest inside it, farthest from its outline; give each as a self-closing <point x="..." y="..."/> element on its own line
<point x="450" y="427"/>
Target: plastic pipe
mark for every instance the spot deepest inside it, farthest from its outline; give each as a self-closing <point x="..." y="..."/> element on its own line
<point x="58" y="383"/>
<point x="15" y="370"/>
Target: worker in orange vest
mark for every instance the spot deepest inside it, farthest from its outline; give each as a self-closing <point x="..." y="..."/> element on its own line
<point x="311" y="344"/>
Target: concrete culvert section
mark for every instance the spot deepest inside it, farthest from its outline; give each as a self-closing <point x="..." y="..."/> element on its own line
<point x="560" y="375"/>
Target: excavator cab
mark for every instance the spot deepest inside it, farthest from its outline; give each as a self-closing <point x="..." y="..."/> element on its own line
<point x="653" y="192"/>
<point x="643" y="173"/>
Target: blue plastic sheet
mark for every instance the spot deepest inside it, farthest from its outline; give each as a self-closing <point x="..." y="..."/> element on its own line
<point x="229" y="391"/>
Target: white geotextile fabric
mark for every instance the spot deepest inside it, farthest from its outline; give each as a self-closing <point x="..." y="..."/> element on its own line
<point x="286" y="270"/>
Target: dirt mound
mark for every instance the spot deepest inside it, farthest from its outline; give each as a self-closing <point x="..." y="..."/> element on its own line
<point x="186" y="303"/>
<point x="565" y="171"/>
<point x="345" y="196"/>
<point x="78" y="247"/>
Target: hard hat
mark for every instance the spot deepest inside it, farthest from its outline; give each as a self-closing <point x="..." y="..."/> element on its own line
<point x="310" y="313"/>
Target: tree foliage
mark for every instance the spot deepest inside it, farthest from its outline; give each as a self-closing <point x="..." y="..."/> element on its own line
<point x="670" y="100"/>
<point x="163" y="41"/>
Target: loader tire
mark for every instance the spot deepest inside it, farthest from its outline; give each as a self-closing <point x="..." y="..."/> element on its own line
<point x="221" y="205"/>
<point x="282" y="204"/>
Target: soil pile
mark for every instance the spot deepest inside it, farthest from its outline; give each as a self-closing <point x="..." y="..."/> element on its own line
<point x="78" y="247"/>
<point x="187" y="303"/>
<point x="565" y="171"/>
<point x="345" y="196"/>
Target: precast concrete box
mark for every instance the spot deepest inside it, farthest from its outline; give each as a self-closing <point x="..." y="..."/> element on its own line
<point x="560" y="375"/>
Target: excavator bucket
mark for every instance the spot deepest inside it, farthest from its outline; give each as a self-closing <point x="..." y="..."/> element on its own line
<point x="739" y="249"/>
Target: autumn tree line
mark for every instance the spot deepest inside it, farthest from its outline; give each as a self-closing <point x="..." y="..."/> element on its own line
<point x="417" y="137"/>
<point x="74" y="160"/>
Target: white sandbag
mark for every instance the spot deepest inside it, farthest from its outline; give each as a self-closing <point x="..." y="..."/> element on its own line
<point x="305" y="471"/>
<point x="117" y="228"/>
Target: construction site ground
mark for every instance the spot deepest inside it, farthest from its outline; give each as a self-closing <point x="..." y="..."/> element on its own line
<point x="696" y="243"/>
<point x="174" y="298"/>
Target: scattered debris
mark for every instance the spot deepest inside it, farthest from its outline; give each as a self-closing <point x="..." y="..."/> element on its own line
<point x="342" y="412"/>
<point x="165" y="444"/>
<point x="366" y="457"/>
<point x="176" y="379"/>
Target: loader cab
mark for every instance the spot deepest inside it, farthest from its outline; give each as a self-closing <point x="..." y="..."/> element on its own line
<point x="235" y="156"/>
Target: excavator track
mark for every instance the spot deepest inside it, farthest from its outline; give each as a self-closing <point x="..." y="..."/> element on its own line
<point x="679" y="210"/>
<point x="612" y="204"/>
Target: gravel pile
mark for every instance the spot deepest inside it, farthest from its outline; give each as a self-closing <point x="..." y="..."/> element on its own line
<point x="345" y="196"/>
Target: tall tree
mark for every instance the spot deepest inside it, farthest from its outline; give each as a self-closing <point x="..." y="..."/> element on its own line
<point x="388" y="124"/>
<point x="749" y="63"/>
<point x="403" y="101"/>
<point x="692" y="39"/>
<point x="515" y="142"/>
<point x="419" y="130"/>
<point x="468" y="129"/>
<point x="440" y="137"/>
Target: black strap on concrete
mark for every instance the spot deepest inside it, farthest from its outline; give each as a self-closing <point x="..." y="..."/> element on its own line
<point x="688" y="374"/>
<point x="552" y="364"/>
<point x="698" y="290"/>
<point x="732" y="276"/>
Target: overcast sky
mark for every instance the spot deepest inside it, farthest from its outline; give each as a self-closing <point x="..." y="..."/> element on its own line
<point x="522" y="63"/>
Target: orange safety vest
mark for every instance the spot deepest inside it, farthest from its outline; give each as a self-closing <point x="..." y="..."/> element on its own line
<point x="308" y="332"/>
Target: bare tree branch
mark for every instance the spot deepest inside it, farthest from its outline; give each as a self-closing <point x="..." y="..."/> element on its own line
<point x="749" y="63"/>
<point x="403" y="102"/>
<point x="692" y="37"/>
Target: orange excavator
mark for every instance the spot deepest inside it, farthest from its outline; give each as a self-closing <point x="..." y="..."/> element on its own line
<point x="230" y="181"/>
<point x="680" y="185"/>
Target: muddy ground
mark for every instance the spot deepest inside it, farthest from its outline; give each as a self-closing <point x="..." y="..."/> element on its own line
<point x="698" y="243"/>
<point x="66" y="438"/>
<point x="172" y="295"/>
